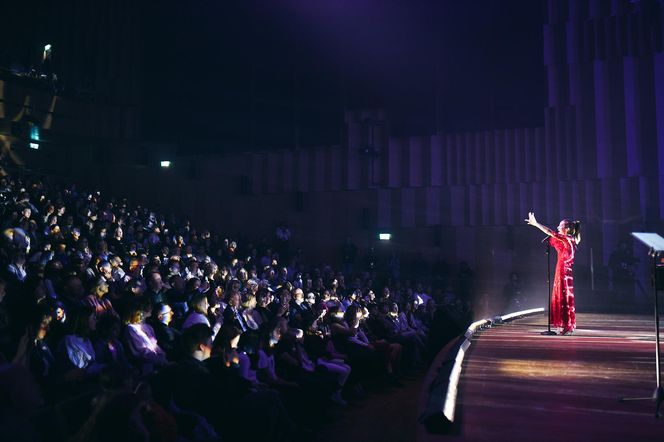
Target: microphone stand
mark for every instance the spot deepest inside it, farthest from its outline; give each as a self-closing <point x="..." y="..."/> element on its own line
<point x="548" y="331"/>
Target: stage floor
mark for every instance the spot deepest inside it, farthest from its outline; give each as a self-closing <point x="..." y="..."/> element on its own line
<point x="518" y="385"/>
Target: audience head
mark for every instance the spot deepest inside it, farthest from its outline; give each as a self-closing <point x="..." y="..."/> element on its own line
<point x="298" y="296"/>
<point x="197" y="341"/>
<point x="135" y="313"/>
<point x="84" y="321"/>
<point x="100" y="289"/>
<point x="163" y="313"/>
<point x="177" y="283"/>
<point x="40" y="322"/>
<point x="234" y="299"/>
<point x="249" y="301"/>
<point x="352" y="316"/>
<point x="192" y="285"/>
<point x="154" y="282"/>
<point x="108" y="327"/>
<point x="199" y="303"/>
<point x="227" y="339"/>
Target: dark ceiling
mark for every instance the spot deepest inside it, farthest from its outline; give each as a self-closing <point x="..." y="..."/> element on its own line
<point x="225" y="75"/>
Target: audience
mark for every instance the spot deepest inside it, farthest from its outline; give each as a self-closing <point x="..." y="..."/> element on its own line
<point x="222" y="335"/>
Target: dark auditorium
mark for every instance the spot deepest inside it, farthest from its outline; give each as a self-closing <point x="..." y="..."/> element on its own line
<point x="331" y="220"/>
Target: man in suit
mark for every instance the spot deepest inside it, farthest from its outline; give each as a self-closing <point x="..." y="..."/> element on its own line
<point x="232" y="313"/>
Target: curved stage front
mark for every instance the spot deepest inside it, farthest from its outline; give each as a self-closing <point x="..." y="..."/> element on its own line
<point x="518" y="385"/>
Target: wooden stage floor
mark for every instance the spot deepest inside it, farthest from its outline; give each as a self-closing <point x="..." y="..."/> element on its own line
<point x="518" y="385"/>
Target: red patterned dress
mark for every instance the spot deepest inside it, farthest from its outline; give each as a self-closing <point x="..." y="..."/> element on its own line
<point x="563" y="314"/>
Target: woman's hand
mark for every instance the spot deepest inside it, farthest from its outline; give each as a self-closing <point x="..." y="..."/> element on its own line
<point x="531" y="220"/>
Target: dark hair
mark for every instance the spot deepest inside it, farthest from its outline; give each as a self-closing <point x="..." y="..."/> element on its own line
<point x="133" y="311"/>
<point x="38" y="317"/>
<point x="351" y="315"/>
<point x="223" y="340"/>
<point x="574" y="229"/>
<point x="194" y="336"/>
<point x="79" y="323"/>
<point x="262" y="293"/>
<point x="190" y="285"/>
<point x="105" y="324"/>
<point x="333" y="308"/>
<point x="197" y="299"/>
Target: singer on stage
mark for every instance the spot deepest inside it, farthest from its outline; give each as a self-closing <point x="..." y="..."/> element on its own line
<point x="565" y="241"/>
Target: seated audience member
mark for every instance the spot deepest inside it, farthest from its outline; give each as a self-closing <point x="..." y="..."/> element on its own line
<point x="300" y="313"/>
<point x="412" y="318"/>
<point x="155" y="288"/>
<point x="192" y="269"/>
<point x="318" y="340"/>
<point x="266" y="368"/>
<point x="176" y="297"/>
<point x="337" y="368"/>
<point x="281" y="306"/>
<point x="198" y="310"/>
<point x="107" y="345"/>
<point x="73" y="292"/>
<point x="420" y="295"/>
<point x="293" y="364"/>
<point x="252" y="317"/>
<point x="167" y="336"/>
<point x="361" y="355"/>
<point x="201" y="389"/>
<point x="234" y="364"/>
<point x="216" y="302"/>
<point x="311" y="299"/>
<point x="34" y="351"/>
<point x="53" y="275"/>
<point x="133" y="293"/>
<point x="75" y="356"/>
<point x="141" y="342"/>
<point x="385" y="327"/>
<point x="118" y="274"/>
<point x="389" y="352"/>
<point x="188" y="386"/>
<point x="16" y="269"/>
<point x="232" y="313"/>
<point x="428" y="314"/>
<point x="369" y="297"/>
<point x="104" y="273"/>
<point x="233" y="286"/>
<point x="402" y="325"/>
<point x="351" y="299"/>
<point x="262" y="302"/>
<point x="97" y="300"/>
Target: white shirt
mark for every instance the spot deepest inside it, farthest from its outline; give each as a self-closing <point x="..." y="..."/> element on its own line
<point x="79" y="350"/>
<point x="195" y="318"/>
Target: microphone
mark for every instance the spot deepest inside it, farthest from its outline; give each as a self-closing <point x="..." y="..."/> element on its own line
<point x="545" y="240"/>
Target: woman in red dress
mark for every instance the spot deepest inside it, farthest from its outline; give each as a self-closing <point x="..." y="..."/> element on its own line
<point x="565" y="241"/>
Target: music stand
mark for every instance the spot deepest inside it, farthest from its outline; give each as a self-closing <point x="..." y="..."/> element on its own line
<point x="655" y="244"/>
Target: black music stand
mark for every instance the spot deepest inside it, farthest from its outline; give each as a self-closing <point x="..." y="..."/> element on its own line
<point x="655" y="244"/>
